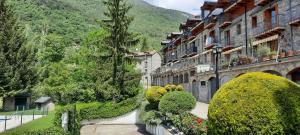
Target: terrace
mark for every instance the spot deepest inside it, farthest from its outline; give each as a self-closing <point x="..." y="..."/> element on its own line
<point x="294" y="15"/>
<point x="273" y="26"/>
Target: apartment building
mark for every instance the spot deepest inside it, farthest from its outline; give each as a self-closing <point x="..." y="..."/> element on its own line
<point x="255" y="35"/>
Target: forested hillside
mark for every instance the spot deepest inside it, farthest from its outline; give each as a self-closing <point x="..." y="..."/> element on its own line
<point x="73" y="19"/>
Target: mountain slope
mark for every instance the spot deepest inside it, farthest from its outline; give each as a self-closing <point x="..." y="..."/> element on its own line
<point x="72" y="19"/>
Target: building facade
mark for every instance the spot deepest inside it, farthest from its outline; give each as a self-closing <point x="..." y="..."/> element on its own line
<point x="148" y="62"/>
<point x="255" y="35"/>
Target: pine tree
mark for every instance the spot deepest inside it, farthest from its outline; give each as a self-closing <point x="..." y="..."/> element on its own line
<point x="17" y="60"/>
<point x="119" y="40"/>
<point x="145" y="46"/>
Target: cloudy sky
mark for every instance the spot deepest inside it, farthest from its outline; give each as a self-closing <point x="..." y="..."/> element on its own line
<point x="190" y="6"/>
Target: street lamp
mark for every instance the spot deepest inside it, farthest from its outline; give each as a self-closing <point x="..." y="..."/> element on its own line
<point x="217" y="50"/>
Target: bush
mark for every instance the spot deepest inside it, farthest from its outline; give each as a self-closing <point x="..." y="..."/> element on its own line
<point x="189" y="124"/>
<point x="256" y="103"/>
<point x="177" y="102"/>
<point x="149" y="114"/>
<point x="110" y="109"/>
<point x="154" y="94"/>
<point x="171" y="87"/>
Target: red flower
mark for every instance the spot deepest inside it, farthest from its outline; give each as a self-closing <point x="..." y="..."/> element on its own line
<point x="199" y="120"/>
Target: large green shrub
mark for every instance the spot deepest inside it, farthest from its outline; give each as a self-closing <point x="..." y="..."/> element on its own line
<point x="256" y="103"/>
<point x="177" y="102"/>
<point x="154" y="94"/>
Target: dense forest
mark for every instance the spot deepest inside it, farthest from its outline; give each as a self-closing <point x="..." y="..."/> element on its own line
<point x="73" y="19"/>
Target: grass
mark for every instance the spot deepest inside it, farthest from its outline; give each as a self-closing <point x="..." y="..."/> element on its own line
<point x="39" y="124"/>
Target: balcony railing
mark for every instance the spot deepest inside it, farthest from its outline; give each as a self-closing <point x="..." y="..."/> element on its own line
<point x="228" y="43"/>
<point x="225" y="20"/>
<point x="209" y="22"/>
<point x="269" y="28"/>
<point x="192" y="51"/>
<point x="294" y="15"/>
<point x="210" y="42"/>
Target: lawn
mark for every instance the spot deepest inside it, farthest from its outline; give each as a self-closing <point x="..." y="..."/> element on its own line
<point x="39" y="124"/>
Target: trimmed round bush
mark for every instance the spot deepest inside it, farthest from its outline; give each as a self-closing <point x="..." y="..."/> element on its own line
<point x="154" y="94"/>
<point x="256" y="103"/>
<point x="177" y="102"/>
<point x="171" y="87"/>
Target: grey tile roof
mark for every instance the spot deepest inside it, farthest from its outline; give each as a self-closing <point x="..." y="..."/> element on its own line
<point x="42" y="100"/>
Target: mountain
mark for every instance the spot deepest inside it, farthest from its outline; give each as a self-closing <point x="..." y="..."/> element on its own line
<point x="73" y="19"/>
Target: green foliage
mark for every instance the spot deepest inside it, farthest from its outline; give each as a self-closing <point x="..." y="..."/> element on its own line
<point x="145" y="45"/>
<point x="72" y="19"/>
<point x="171" y="87"/>
<point x="154" y="94"/>
<point x="177" y="102"/>
<point x="189" y="124"/>
<point x="149" y="114"/>
<point x="48" y="131"/>
<point x="256" y="103"/>
<point x="73" y="118"/>
<point x="17" y="58"/>
<point x="263" y="50"/>
<point x="111" y="109"/>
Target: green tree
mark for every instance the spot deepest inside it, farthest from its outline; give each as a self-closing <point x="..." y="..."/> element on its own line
<point x="17" y="58"/>
<point x="119" y="39"/>
<point x="145" y="45"/>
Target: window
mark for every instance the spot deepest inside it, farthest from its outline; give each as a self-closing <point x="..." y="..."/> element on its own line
<point x="254" y="22"/>
<point x="238" y="29"/>
<point x="203" y="83"/>
<point x="204" y="39"/>
<point x="227" y="37"/>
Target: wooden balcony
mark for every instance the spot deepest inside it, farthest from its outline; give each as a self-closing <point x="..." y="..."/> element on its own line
<point x="261" y="2"/>
<point x="294" y="16"/>
<point x="236" y="4"/>
<point x="267" y="29"/>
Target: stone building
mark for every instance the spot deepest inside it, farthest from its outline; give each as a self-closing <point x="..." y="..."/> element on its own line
<point x="147" y="63"/>
<point x="255" y="35"/>
<point x="17" y="102"/>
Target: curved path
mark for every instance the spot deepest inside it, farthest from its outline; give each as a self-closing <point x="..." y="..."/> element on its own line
<point x="113" y="130"/>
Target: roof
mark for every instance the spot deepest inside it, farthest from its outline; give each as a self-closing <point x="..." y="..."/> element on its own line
<point x="42" y="100"/>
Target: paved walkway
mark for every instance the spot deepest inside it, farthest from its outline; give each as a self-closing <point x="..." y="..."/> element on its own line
<point x="15" y="121"/>
<point x="113" y="130"/>
<point x="201" y="110"/>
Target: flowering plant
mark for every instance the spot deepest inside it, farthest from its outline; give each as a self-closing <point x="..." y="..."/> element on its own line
<point x="190" y="124"/>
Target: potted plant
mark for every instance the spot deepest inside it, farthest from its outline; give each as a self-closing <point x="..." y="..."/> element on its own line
<point x="273" y="55"/>
<point x="290" y="53"/>
<point x="234" y="60"/>
<point x="264" y="52"/>
<point x="243" y="59"/>
<point x="282" y="53"/>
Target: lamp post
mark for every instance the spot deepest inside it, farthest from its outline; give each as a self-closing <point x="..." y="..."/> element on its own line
<point x="217" y="52"/>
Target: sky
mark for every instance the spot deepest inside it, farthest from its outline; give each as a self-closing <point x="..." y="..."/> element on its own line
<point x="189" y="6"/>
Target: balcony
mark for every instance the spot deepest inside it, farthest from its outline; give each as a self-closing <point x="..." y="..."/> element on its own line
<point x="227" y="43"/>
<point x="209" y="22"/>
<point x="234" y="5"/>
<point x="225" y="20"/>
<point x="262" y="2"/>
<point x="210" y="43"/>
<point x="294" y="15"/>
<point x="192" y="51"/>
<point x="269" y="28"/>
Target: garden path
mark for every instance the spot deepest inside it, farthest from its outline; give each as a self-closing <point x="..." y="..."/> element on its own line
<point x="201" y="110"/>
<point x="114" y="130"/>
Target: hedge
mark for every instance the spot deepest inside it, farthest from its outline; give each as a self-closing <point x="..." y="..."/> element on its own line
<point x="177" y="102"/>
<point x="111" y="109"/>
<point x="256" y="103"/>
